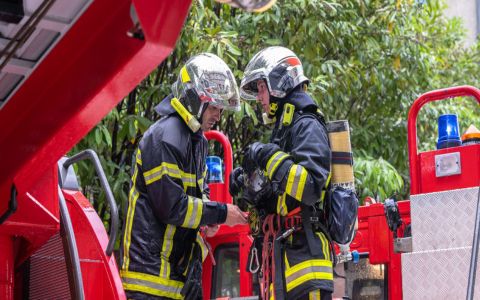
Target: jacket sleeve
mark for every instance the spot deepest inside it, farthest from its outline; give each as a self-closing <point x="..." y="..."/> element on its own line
<point x="304" y="172"/>
<point x="166" y="184"/>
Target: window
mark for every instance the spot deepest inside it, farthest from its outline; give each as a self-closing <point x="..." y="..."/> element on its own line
<point x="226" y="273"/>
<point x="361" y="281"/>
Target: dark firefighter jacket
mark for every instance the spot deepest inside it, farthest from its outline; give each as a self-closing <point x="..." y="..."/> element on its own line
<point x="302" y="172"/>
<point x="166" y="207"/>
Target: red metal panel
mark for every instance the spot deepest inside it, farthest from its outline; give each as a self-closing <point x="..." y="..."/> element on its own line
<point x="8" y="267"/>
<point x="37" y="216"/>
<point x="230" y="235"/>
<point x="92" y="68"/>
<point x="100" y="275"/>
<point x="47" y="268"/>
<point x="375" y="238"/>
<point x="470" y="176"/>
<point x="379" y="240"/>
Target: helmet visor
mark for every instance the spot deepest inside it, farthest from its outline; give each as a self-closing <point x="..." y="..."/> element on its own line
<point x="248" y="86"/>
<point x="218" y="89"/>
<point x="250" y="5"/>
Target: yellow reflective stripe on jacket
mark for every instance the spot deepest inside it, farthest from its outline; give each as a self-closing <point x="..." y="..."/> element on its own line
<point x="167" y="247"/>
<point x="274" y="162"/>
<point x="153" y="285"/>
<point x="194" y="213"/>
<point x="202" y="179"/>
<point x="155" y="174"/>
<point x="201" y="242"/>
<point x="171" y="170"/>
<point x="325" y="245"/>
<point x="327" y="183"/>
<point x="188" y="180"/>
<point x="132" y="199"/>
<point x="138" y="157"/>
<point x="314" y="295"/>
<point x="282" y="205"/>
<point x="297" y="176"/>
<point x="315" y="269"/>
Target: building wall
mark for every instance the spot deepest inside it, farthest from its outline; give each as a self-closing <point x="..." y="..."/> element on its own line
<point x="467" y="10"/>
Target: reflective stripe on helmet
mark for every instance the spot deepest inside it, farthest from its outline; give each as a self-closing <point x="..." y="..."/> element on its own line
<point x="184" y="74"/>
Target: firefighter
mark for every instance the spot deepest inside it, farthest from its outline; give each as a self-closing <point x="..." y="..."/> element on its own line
<point x="296" y="162"/>
<point x="162" y="249"/>
<point x="250" y="5"/>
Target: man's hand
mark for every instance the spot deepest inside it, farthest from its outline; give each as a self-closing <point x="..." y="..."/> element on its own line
<point x="211" y="230"/>
<point x="236" y="181"/>
<point x="235" y="215"/>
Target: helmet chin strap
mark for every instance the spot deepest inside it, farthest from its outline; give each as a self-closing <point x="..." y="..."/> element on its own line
<point x="201" y="110"/>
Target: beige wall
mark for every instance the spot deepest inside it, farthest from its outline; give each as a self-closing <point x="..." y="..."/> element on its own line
<point x="467" y="10"/>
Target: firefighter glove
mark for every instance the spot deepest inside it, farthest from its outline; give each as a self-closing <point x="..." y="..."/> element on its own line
<point x="236" y="181"/>
<point x="261" y="197"/>
<point x="258" y="154"/>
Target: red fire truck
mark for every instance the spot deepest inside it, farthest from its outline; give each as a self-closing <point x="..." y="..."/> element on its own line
<point x="63" y="66"/>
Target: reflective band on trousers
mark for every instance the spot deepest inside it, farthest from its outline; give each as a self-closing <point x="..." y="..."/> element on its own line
<point x="194" y="212"/>
<point x="274" y="162"/>
<point x="315" y="269"/>
<point x="297" y="176"/>
<point x="150" y="284"/>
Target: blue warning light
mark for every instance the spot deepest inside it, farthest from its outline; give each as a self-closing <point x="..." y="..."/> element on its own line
<point x="214" y="169"/>
<point x="448" y="131"/>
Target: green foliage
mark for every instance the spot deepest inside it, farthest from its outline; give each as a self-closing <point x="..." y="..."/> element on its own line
<point x="376" y="177"/>
<point x="367" y="61"/>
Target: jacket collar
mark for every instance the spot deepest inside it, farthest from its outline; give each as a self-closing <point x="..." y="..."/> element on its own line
<point x="300" y="99"/>
<point x="164" y="108"/>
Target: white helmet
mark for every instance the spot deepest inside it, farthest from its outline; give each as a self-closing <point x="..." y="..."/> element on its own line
<point x="278" y="66"/>
<point x="206" y="79"/>
<point x="250" y="5"/>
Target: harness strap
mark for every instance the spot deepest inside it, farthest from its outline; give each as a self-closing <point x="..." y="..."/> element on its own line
<point x="270" y="231"/>
<point x="279" y="288"/>
<point x="314" y="244"/>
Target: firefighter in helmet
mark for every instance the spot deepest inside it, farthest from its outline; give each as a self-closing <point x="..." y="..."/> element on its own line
<point x="162" y="249"/>
<point x="250" y="5"/>
<point x="296" y="163"/>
